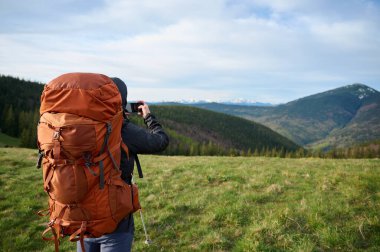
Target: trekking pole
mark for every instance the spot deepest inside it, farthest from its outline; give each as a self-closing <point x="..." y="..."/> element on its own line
<point x="147" y="240"/>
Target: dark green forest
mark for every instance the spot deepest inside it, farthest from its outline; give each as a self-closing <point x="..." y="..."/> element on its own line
<point x="196" y="131"/>
<point x="19" y="108"/>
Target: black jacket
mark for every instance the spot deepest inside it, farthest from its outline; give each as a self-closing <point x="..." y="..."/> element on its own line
<point x="141" y="141"/>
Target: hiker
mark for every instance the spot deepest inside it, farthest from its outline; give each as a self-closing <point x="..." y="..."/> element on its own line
<point x="139" y="141"/>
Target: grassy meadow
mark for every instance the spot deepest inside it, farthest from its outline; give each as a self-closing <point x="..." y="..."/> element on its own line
<point x="220" y="204"/>
<point x="6" y="140"/>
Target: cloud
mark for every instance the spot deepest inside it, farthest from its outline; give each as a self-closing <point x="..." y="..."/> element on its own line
<point x="272" y="50"/>
<point x="348" y="35"/>
<point x="171" y="94"/>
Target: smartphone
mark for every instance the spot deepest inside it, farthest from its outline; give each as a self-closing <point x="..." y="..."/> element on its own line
<point x="133" y="107"/>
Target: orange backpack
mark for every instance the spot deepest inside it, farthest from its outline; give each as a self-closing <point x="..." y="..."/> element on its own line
<point x="79" y="139"/>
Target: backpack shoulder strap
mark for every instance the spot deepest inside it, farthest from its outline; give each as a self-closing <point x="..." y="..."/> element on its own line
<point x="124" y="147"/>
<point x="138" y="166"/>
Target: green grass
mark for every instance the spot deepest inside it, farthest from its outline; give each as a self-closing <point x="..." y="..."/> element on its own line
<point x="6" y="140"/>
<point x="220" y="204"/>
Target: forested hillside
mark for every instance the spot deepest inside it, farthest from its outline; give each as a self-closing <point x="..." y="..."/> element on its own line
<point x="192" y="131"/>
<point x="197" y="131"/>
<point x="19" y="105"/>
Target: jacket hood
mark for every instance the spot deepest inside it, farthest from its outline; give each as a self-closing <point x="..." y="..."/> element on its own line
<point x="122" y="89"/>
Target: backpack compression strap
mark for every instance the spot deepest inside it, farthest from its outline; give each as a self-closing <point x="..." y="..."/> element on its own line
<point x="101" y="165"/>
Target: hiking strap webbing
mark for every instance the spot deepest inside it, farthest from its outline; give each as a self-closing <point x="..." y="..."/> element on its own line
<point x="124" y="147"/>
<point x="115" y="165"/>
<point x="44" y="212"/>
<point x="40" y="157"/>
<point x="101" y="165"/>
<point x="49" y="176"/>
<point x="136" y="158"/>
<point x="57" y="143"/>
<point x="138" y="166"/>
<point x="55" y="227"/>
<point x="55" y="237"/>
<point x="101" y="175"/>
<point x="79" y="235"/>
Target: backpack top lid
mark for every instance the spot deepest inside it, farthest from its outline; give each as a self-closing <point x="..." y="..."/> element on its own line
<point x="85" y="94"/>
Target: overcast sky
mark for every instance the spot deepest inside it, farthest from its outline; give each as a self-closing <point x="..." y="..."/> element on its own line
<point x="267" y="51"/>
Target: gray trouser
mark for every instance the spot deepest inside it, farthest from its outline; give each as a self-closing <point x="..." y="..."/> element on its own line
<point x="118" y="241"/>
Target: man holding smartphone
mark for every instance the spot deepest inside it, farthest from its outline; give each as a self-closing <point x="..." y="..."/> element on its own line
<point x="139" y="141"/>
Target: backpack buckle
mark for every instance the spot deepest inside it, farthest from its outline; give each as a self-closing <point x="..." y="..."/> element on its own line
<point x="57" y="134"/>
<point x="109" y="128"/>
<point x="41" y="154"/>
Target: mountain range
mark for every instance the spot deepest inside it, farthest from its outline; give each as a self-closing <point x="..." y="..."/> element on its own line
<point x="240" y="102"/>
<point x="340" y="117"/>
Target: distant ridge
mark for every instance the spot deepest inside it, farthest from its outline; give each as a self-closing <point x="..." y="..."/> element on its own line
<point x="200" y="102"/>
<point x="336" y="118"/>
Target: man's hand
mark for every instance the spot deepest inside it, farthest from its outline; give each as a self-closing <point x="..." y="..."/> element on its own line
<point x="144" y="110"/>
